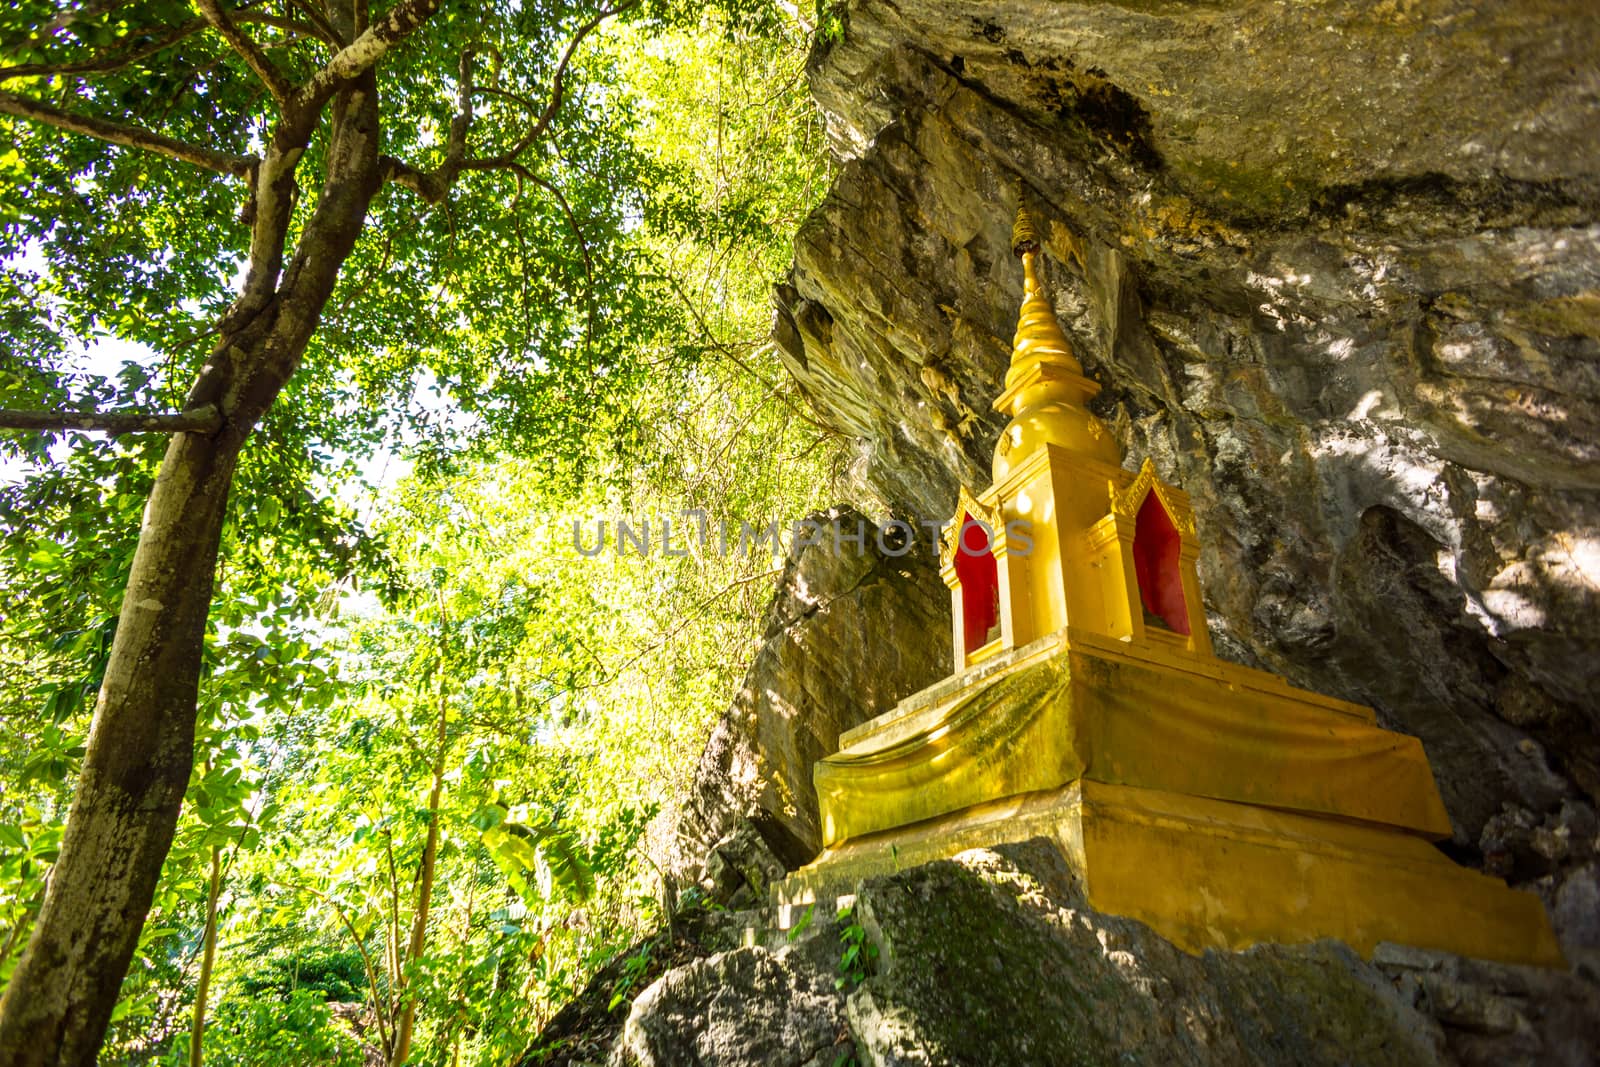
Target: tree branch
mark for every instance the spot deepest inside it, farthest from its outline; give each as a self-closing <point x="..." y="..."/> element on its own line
<point x="248" y="50"/>
<point x="162" y="38"/>
<point x="557" y="93"/>
<point x="324" y="27"/>
<point x="433" y="185"/>
<point x="69" y="15"/>
<point x="583" y="246"/>
<point x="126" y="135"/>
<point x="205" y="419"/>
<point x="312" y="29"/>
<point x="379" y="1002"/>
<point x="491" y="90"/>
<point x="712" y="341"/>
<point x="425" y="183"/>
<point x="359" y="55"/>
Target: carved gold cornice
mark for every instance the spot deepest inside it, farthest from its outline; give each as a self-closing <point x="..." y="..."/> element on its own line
<point x="1127" y="502"/>
<point x="950" y="536"/>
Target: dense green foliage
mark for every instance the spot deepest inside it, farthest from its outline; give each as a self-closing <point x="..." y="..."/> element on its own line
<point x="407" y="644"/>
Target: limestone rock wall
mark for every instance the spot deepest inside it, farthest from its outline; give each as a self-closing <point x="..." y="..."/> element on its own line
<point x="1337" y="265"/>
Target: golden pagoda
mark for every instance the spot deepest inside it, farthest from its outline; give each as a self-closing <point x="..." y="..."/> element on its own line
<point x="1216" y="803"/>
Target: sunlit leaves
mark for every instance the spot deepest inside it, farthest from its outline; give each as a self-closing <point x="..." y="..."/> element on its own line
<point x="540" y="859"/>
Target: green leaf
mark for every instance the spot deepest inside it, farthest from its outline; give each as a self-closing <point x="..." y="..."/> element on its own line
<point x="804" y="921"/>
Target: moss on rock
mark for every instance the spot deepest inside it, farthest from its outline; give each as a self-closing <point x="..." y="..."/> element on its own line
<point x="994" y="958"/>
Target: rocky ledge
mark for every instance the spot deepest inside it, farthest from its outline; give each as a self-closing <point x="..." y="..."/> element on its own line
<point x="992" y="958"/>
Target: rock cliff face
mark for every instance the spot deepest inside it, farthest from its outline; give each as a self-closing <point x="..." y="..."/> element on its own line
<point x="993" y="959"/>
<point x="1337" y="266"/>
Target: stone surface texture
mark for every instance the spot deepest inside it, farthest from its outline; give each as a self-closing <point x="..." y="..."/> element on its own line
<point x="848" y="634"/>
<point x="1337" y="266"/>
<point x="752" y="1005"/>
<point x="992" y="958"/>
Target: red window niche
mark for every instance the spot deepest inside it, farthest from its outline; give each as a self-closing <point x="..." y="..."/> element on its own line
<point x="980" y="585"/>
<point x="1155" y="562"/>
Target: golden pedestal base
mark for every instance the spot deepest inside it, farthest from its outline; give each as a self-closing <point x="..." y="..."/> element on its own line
<point x="1216" y="804"/>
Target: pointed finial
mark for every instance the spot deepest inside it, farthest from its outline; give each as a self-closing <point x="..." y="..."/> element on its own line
<point x="1045" y="388"/>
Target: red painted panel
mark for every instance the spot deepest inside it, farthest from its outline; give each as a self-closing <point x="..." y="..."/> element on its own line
<point x="1155" y="562"/>
<point x="980" y="584"/>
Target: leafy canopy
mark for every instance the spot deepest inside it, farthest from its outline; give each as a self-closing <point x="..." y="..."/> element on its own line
<point x="583" y="336"/>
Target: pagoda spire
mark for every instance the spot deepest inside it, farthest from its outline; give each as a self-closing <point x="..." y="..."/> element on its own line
<point x="1045" y="388"/>
<point x="1039" y="337"/>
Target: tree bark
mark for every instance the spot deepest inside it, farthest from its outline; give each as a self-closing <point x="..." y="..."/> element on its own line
<point x="135" y="770"/>
<point x="141" y="741"/>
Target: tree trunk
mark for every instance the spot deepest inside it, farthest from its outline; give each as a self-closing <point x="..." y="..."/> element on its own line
<point x="135" y="770"/>
<point x="208" y="956"/>
<point x="141" y="741"/>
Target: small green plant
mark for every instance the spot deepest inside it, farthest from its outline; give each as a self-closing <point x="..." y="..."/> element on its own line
<point x="695" y="897"/>
<point x="633" y="969"/>
<point x="832" y="20"/>
<point x="274" y="1031"/>
<point x="859" y="955"/>
<point x="805" y="920"/>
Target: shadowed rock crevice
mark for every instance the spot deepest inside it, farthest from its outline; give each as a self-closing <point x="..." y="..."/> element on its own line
<point x="1466" y="708"/>
<point x="1436" y="202"/>
<point x="1084" y="104"/>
